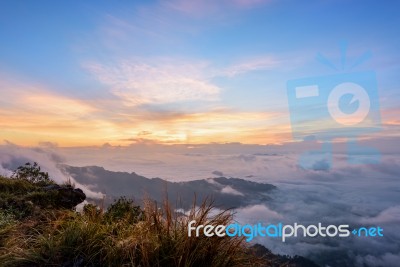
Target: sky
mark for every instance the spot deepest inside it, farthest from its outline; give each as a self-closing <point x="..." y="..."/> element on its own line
<point x="90" y="73"/>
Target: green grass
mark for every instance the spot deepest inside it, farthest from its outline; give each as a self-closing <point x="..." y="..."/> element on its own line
<point x="123" y="235"/>
<point x="23" y="198"/>
<point x="157" y="238"/>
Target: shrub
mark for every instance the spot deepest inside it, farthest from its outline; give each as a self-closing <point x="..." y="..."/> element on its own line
<point x="124" y="208"/>
<point x="32" y="173"/>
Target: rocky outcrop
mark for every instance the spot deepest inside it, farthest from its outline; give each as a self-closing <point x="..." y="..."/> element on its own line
<point x="67" y="196"/>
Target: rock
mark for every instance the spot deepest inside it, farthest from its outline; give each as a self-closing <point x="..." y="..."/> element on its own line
<point x="67" y="196"/>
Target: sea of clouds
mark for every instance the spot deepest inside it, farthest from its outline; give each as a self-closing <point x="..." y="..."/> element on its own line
<point x="331" y="192"/>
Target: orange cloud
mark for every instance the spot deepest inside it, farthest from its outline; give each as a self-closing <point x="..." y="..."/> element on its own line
<point x="32" y="113"/>
<point x="217" y="126"/>
<point x="391" y="116"/>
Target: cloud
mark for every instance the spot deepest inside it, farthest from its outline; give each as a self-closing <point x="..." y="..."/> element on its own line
<point x="344" y="194"/>
<point x="258" y="212"/>
<point x="13" y="156"/>
<point x="199" y="8"/>
<point x="218" y="173"/>
<point x="176" y="99"/>
<point x="387" y="259"/>
<point x="321" y="165"/>
<point x="31" y="113"/>
<point x="389" y="215"/>
<point x="249" y="65"/>
<point x="250" y="3"/>
<point x="137" y="82"/>
<point x="5" y="172"/>
<point x="38" y="113"/>
<point x="229" y="190"/>
<point x="350" y="194"/>
<point x="24" y="99"/>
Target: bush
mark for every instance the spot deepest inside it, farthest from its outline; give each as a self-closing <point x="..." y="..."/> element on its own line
<point x="33" y="174"/>
<point x="124" y="208"/>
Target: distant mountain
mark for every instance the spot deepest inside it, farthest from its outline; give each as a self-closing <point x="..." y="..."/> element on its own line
<point x="276" y="260"/>
<point x="227" y="192"/>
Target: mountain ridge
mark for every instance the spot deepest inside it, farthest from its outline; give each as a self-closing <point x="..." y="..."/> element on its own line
<point x="228" y="192"/>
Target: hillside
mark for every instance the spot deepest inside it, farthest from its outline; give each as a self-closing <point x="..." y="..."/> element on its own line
<point x="227" y="192"/>
<point x="40" y="227"/>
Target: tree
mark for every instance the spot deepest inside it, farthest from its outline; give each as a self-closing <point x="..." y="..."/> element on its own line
<point x="32" y="173"/>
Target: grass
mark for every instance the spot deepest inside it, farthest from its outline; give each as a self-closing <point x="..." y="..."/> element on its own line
<point x="23" y="198"/>
<point x="123" y="235"/>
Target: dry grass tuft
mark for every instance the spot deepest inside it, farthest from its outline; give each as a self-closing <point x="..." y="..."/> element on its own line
<point x="124" y="235"/>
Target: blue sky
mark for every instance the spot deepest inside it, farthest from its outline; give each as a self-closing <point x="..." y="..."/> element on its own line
<point x="181" y="71"/>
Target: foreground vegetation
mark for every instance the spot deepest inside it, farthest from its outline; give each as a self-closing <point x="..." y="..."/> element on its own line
<point x="38" y="227"/>
<point x="35" y="231"/>
<point x="132" y="237"/>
